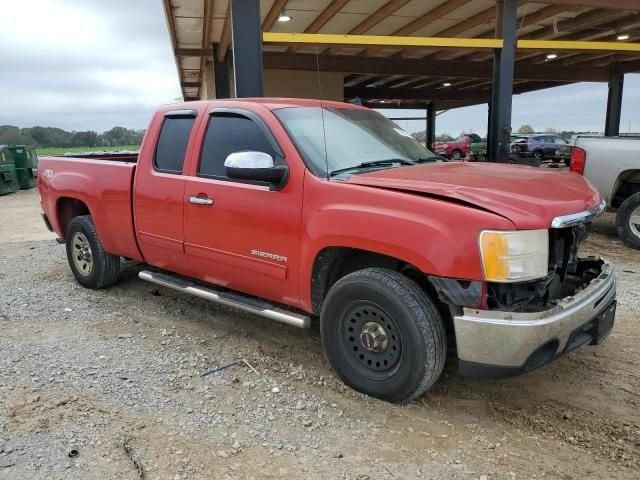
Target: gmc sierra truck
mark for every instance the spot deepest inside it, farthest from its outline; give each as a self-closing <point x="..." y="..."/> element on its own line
<point x="612" y="164"/>
<point x="298" y="209"/>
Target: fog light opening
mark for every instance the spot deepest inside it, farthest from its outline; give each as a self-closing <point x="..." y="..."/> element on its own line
<point x="541" y="356"/>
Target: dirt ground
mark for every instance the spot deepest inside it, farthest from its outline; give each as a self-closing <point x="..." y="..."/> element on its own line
<point x="84" y="374"/>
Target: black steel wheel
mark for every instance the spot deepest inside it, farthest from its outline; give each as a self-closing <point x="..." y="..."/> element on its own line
<point x="370" y="339"/>
<point x="383" y="335"/>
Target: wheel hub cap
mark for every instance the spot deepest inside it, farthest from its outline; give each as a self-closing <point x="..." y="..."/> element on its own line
<point x="634" y="222"/>
<point x="82" y="255"/>
<point x="374" y="337"/>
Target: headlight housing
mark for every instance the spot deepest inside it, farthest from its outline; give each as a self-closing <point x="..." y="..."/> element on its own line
<point x="514" y="256"/>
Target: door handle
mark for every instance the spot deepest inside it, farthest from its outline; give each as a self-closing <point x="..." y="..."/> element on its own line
<point x="196" y="200"/>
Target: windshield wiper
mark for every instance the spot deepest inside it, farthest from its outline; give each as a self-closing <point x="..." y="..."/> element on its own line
<point x="376" y="163"/>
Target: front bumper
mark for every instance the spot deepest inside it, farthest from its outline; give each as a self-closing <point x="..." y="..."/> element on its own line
<point x="501" y="344"/>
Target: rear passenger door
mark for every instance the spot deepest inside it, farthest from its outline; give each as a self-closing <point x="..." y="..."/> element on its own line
<point x="549" y="147"/>
<point x="241" y="234"/>
<point x="159" y="192"/>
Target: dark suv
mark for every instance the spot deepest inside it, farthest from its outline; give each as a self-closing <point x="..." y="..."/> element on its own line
<point x="540" y="147"/>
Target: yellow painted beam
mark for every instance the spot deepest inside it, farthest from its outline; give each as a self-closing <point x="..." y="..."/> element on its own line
<point x="379" y="40"/>
<point x="440" y="42"/>
<point x="578" y="45"/>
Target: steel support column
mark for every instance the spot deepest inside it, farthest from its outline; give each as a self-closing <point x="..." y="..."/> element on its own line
<point x="246" y="38"/>
<point x="221" y="85"/>
<point x="501" y="96"/>
<point x="430" y="137"/>
<point x="614" y="102"/>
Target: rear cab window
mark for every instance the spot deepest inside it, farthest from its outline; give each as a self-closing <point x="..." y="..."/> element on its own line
<point x="172" y="143"/>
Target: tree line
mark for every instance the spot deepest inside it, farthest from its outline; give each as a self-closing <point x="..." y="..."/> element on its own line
<point x="57" y="137"/>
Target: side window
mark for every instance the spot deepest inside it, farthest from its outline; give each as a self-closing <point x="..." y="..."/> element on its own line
<point x="229" y="133"/>
<point x="172" y="144"/>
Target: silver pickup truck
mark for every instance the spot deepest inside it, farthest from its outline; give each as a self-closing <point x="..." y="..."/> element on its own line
<point x="612" y="165"/>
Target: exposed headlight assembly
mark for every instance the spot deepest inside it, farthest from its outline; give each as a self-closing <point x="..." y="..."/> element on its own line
<point x="514" y="256"/>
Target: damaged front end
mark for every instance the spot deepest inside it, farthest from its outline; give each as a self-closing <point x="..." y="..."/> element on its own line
<point x="568" y="274"/>
<point x="521" y="326"/>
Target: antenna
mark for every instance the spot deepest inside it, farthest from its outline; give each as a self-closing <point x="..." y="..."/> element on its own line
<point x="324" y="131"/>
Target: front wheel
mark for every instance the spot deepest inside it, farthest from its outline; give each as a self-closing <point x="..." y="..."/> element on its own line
<point x="456" y="155"/>
<point x="628" y="221"/>
<point x="383" y="335"/>
<point x="538" y="155"/>
<point x="91" y="265"/>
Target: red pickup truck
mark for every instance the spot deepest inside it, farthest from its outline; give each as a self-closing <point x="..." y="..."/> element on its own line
<point x="457" y="149"/>
<point x="298" y="210"/>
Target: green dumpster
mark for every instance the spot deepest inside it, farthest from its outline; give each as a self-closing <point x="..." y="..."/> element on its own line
<point x="26" y="161"/>
<point x="8" y="176"/>
<point x="478" y="151"/>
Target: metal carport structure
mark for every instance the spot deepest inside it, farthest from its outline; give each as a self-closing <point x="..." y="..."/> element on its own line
<point x="433" y="54"/>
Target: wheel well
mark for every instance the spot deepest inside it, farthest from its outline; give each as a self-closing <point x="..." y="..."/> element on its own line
<point x="627" y="184"/>
<point x="68" y="209"/>
<point x="333" y="263"/>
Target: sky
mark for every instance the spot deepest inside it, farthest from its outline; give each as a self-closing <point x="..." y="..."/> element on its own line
<point x="92" y="65"/>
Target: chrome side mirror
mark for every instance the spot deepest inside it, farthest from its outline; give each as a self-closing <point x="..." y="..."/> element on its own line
<point x="249" y="160"/>
<point x="256" y="166"/>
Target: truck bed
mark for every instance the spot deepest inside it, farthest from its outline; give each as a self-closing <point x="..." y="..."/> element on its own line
<point x="103" y="185"/>
<point x="128" y="156"/>
<point x="610" y="162"/>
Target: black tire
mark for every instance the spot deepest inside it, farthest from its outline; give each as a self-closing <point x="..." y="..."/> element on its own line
<point x="104" y="267"/>
<point x="538" y="155"/>
<point x="416" y="346"/>
<point x="629" y="208"/>
<point x="456" y="155"/>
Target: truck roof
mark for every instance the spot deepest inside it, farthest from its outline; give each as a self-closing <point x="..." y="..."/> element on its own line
<point x="270" y="103"/>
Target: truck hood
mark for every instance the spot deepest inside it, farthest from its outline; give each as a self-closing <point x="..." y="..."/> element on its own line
<point x="529" y="197"/>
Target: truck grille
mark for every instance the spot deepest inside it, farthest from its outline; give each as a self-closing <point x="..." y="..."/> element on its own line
<point x="563" y="249"/>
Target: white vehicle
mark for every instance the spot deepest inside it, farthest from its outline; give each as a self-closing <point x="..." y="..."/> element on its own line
<point x="612" y="165"/>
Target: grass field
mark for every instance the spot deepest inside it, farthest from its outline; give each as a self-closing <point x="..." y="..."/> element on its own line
<point x="62" y="150"/>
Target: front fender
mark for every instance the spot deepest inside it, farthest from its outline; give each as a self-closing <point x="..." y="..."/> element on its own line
<point x="436" y="236"/>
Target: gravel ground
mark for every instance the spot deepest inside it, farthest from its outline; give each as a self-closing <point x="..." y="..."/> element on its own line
<point x="84" y="374"/>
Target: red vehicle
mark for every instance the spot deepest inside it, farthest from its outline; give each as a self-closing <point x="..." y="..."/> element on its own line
<point x="459" y="148"/>
<point x="298" y="210"/>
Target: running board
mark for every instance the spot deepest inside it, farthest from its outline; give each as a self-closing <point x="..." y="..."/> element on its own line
<point x="235" y="300"/>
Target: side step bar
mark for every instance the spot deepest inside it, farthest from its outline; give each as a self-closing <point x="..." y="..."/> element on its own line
<point x="235" y="300"/>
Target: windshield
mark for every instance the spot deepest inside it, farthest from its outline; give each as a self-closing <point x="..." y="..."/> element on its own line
<point x="353" y="137"/>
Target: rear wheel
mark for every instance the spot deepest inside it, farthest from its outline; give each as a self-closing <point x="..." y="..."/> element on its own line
<point x="456" y="155"/>
<point x="538" y="155"/>
<point x="628" y="221"/>
<point x="91" y="265"/>
<point x="383" y="335"/>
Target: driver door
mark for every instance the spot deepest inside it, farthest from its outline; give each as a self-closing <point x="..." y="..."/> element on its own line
<point x="241" y="234"/>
